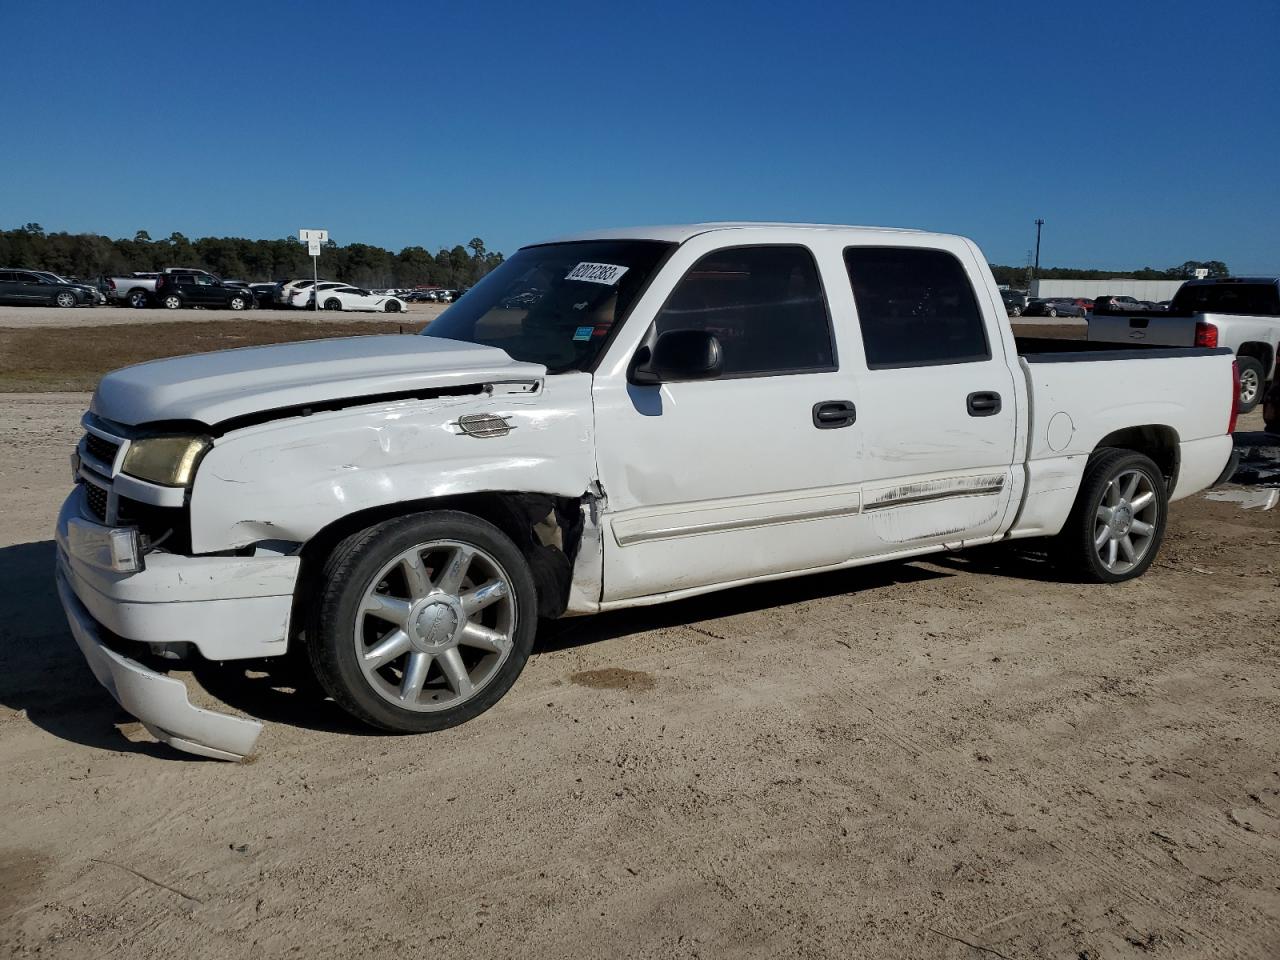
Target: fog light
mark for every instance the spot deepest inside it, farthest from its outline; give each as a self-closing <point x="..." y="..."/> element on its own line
<point x="126" y="551"/>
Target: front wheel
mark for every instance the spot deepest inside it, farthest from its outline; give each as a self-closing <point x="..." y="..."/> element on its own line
<point x="1015" y="312"/>
<point x="65" y="298"/>
<point x="1251" y="379"/>
<point x="1052" y="312"/>
<point x="393" y="306"/>
<point x="1116" y="526"/>
<point x="422" y="622"/>
<point x="333" y="304"/>
<point x="238" y="303"/>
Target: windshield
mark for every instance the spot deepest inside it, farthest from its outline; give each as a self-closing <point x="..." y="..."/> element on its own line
<point x="555" y="304"/>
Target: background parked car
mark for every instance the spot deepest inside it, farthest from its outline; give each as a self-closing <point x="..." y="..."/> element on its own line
<point x="1118" y="305"/>
<point x="95" y="295"/>
<point x="303" y="296"/>
<point x="1014" y="302"/>
<point x="264" y="294"/>
<point x="23" y="287"/>
<point x="355" y="298"/>
<point x="1054" y="307"/>
<point x="178" y="288"/>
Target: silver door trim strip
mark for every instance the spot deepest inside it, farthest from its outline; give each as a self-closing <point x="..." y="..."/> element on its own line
<point x="740" y="523"/>
<point x="929" y="490"/>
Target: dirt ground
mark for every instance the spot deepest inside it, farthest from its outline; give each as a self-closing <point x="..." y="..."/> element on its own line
<point x="958" y="757"/>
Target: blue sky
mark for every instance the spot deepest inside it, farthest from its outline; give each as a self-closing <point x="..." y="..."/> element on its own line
<point x="1143" y="133"/>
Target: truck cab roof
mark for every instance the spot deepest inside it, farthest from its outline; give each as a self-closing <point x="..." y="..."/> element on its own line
<point x="679" y="233"/>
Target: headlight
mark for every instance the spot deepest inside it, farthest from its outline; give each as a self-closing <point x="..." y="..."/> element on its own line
<point x="167" y="460"/>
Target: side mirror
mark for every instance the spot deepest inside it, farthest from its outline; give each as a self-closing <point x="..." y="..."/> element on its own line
<point x="678" y="355"/>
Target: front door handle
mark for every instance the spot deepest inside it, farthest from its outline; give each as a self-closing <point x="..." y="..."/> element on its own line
<point x="830" y="414"/>
<point x="984" y="403"/>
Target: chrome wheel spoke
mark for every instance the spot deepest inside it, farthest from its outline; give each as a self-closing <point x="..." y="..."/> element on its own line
<point x="1126" y="547"/>
<point x="483" y="638"/>
<point x="1113" y="551"/>
<point x="1104" y="534"/>
<point x="1130" y="486"/>
<point x="1112" y="494"/>
<point x="483" y="596"/>
<point x="387" y="649"/>
<point x="415" y="675"/>
<point x="415" y="574"/>
<point x="1142" y="529"/>
<point x="390" y="609"/>
<point x="455" y="569"/>
<point x="1104" y="513"/>
<point x="455" y="671"/>
<point x="1142" y="501"/>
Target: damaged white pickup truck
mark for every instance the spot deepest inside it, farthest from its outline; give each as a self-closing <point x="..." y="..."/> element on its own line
<point x="619" y="419"/>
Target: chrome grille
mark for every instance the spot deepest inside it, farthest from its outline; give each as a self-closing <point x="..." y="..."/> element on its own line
<point x="101" y="448"/>
<point x="96" y="498"/>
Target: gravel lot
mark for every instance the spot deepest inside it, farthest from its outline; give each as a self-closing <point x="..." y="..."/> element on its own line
<point x="928" y="759"/>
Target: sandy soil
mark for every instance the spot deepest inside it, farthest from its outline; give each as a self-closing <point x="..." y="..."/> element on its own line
<point x="953" y="758"/>
<point x="22" y="317"/>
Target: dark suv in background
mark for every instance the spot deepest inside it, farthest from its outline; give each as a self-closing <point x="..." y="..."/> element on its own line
<point x="176" y="288"/>
<point x="26" y="287"/>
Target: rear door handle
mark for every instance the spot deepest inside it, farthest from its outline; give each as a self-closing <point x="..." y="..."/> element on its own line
<point x="830" y="414"/>
<point x="984" y="403"/>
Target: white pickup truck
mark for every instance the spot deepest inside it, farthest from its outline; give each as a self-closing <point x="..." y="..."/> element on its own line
<point x="617" y="419"/>
<point x="1240" y="313"/>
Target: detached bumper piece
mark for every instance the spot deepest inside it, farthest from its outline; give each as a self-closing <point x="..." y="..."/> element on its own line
<point x="158" y="701"/>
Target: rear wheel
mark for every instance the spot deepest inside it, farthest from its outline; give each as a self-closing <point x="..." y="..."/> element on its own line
<point x="1251" y="381"/>
<point x="138" y="299"/>
<point x="1117" y="523"/>
<point x="422" y="622"/>
<point x="333" y="304"/>
<point x="172" y="301"/>
<point x="1015" y="311"/>
<point x="65" y="298"/>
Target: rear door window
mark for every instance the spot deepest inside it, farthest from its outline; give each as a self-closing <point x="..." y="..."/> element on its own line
<point x="916" y="307"/>
<point x="764" y="304"/>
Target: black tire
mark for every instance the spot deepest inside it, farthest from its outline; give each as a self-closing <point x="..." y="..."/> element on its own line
<point x="171" y="301"/>
<point x="1052" y="311"/>
<point x="1074" y="546"/>
<point x="138" y="299"/>
<point x="348" y="573"/>
<point x="237" y="303"/>
<point x="1252" y="382"/>
<point x="65" y="298"/>
<point x="333" y="304"/>
<point x="1015" y="312"/>
<point x="392" y="307"/>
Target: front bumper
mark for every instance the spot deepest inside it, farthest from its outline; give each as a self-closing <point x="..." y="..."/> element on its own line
<point x="160" y="702"/>
<point x="227" y="608"/>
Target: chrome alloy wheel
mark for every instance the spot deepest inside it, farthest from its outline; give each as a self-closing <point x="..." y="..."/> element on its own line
<point x="1250" y="386"/>
<point x="66" y="299"/>
<point x="1126" y="520"/>
<point x="435" y="625"/>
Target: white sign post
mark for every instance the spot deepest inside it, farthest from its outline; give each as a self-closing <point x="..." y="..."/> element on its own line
<point x="313" y="240"/>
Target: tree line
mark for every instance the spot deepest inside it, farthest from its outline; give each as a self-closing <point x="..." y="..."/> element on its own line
<point x="1022" y="276"/>
<point x="89" y="255"/>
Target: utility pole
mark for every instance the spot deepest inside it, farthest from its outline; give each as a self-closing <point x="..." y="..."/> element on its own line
<point x="1039" y="224"/>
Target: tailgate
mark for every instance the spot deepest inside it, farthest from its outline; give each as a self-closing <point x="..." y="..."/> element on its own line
<point x="1155" y="328"/>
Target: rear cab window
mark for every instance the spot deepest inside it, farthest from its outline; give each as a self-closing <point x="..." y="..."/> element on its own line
<point x="1244" y="299"/>
<point x="916" y="307"/>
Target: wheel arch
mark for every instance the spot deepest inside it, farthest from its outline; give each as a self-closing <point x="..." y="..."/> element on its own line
<point x="1262" y="352"/>
<point x="546" y="528"/>
<point x="1157" y="441"/>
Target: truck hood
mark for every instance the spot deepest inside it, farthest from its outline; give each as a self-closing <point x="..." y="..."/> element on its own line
<point x="211" y="388"/>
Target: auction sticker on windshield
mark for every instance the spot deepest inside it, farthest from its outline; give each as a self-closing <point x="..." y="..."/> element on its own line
<point x="606" y="273"/>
